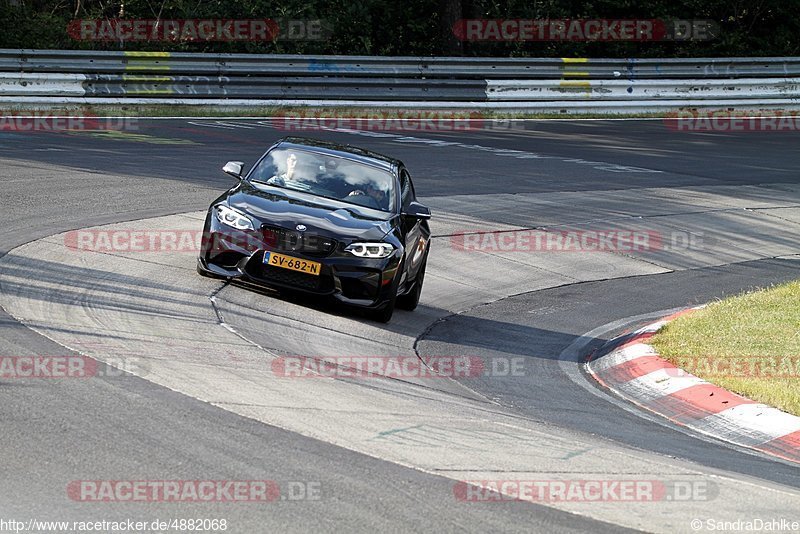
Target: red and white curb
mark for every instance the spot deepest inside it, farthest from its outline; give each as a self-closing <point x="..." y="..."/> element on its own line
<point x="634" y="370"/>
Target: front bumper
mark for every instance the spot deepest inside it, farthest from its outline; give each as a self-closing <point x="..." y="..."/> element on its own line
<point x="354" y="281"/>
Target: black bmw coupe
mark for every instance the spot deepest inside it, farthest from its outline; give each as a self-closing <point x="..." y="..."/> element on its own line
<point x="322" y="218"/>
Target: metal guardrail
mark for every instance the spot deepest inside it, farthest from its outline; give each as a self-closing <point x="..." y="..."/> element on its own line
<point x="530" y="83"/>
<point x="89" y="62"/>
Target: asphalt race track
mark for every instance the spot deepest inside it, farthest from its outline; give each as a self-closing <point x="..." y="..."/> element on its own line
<point x="203" y="402"/>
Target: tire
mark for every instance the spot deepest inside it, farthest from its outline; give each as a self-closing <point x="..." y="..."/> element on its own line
<point x="384" y="315"/>
<point x="410" y="300"/>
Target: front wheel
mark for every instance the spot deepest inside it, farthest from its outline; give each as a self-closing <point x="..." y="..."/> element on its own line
<point x="410" y="300"/>
<point x="384" y="315"/>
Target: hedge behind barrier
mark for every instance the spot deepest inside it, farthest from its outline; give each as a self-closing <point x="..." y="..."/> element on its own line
<point x="418" y="27"/>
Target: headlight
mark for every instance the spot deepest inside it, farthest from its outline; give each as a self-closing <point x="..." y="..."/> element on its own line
<point x="233" y="218"/>
<point x="370" y="250"/>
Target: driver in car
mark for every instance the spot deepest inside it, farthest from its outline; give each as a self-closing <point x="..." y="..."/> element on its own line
<point x="291" y="163"/>
<point x="370" y="190"/>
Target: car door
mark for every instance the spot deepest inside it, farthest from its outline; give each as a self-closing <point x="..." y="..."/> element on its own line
<point x="415" y="231"/>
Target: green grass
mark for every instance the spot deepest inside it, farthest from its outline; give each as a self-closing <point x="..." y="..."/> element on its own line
<point x="752" y="332"/>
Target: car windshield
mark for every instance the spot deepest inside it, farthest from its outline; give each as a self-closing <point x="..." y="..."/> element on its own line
<point x="327" y="176"/>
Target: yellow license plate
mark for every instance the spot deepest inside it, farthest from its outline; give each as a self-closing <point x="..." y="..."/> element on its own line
<point x="294" y="264"/>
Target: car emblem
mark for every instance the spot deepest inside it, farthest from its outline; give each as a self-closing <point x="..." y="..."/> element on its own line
<point x="300" y="227"/>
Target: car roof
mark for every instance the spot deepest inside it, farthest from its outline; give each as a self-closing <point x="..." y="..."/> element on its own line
<point x="350" y="152"/>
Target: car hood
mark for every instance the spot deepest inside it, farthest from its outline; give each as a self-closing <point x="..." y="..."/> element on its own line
<point x="331" y="218"/>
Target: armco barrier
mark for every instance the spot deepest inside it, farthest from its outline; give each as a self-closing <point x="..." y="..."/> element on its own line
<point x="549" y="84"/>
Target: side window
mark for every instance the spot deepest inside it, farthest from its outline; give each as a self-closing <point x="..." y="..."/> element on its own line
<point x="406" y="190"/>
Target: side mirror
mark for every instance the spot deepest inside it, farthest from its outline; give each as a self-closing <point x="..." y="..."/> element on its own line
<point x="234" y="168"/>
<point x="418" y="211"/>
